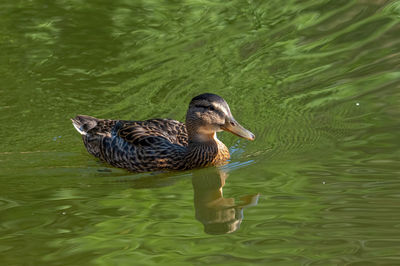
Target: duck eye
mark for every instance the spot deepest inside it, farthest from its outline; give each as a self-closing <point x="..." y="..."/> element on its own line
<point x="211" y="108"/>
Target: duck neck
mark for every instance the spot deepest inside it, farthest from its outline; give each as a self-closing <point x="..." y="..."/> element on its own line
<point x="205" y="150"/>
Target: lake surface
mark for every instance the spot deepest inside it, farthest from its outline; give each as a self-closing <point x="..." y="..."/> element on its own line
<point x="318" y="82"/>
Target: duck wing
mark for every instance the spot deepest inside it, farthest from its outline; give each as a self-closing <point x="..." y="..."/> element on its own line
<point x="151" y="145"/>
<point x="138" y="146"/>
<point x="151" y="132"/>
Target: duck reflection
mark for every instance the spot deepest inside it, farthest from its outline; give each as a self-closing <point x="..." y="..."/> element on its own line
<point x="219" y="215"/>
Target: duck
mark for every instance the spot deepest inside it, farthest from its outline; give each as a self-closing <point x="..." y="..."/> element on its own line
<point x="164" y="144"/>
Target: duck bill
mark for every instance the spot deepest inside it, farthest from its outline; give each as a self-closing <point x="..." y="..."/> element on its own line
<point x="235" y="128"/>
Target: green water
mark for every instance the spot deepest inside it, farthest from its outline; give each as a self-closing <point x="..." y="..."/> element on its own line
<point x="318" y="82"/>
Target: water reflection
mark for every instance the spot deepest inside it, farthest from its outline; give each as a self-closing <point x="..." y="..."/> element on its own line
<point x="219" y="215"/>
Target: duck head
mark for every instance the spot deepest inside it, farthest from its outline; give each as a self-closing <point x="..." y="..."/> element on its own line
<point x="209" y="113"/>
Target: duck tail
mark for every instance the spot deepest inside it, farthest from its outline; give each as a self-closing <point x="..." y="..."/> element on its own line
<point x="84" y="123"/>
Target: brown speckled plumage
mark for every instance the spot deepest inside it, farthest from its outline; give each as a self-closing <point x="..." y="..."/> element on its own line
<point x="163" y="144"/>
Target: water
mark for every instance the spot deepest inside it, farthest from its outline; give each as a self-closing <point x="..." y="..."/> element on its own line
<point x="317" y="82"/>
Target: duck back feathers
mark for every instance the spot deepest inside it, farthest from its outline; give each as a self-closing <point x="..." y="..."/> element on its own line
<point x="139" y="146"/>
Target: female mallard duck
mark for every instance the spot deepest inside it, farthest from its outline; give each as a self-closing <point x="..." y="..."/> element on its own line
<point x="163" y="144"/>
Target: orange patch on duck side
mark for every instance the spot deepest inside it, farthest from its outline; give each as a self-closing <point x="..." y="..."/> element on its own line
<point x="222" y="155"/>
